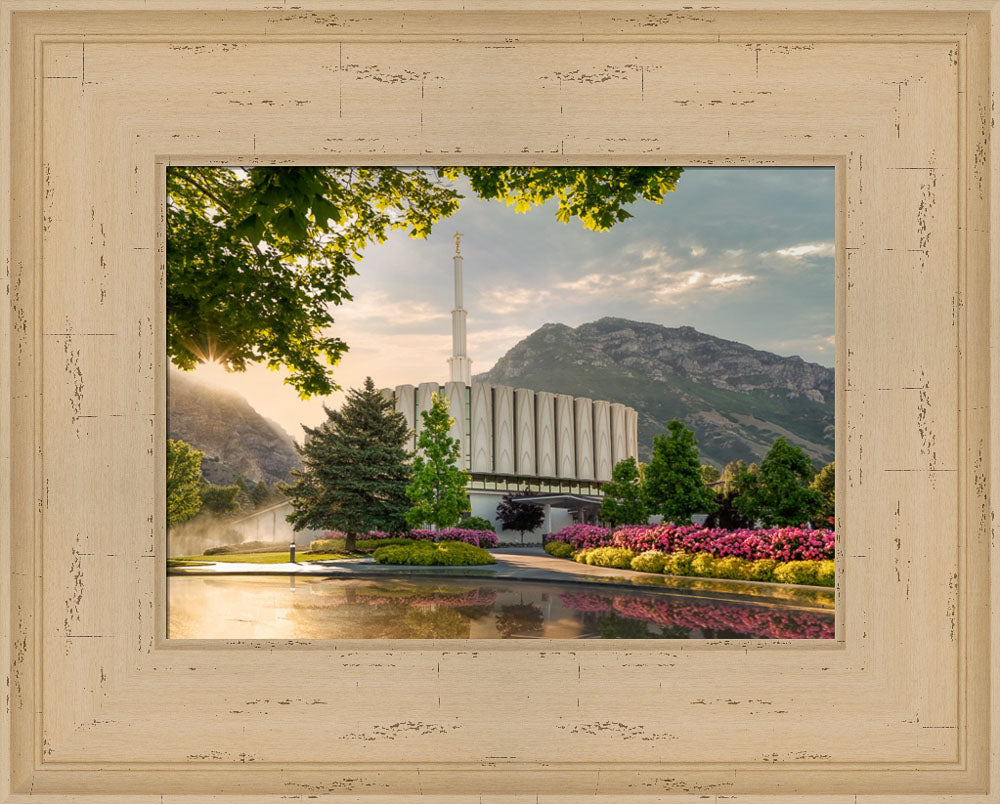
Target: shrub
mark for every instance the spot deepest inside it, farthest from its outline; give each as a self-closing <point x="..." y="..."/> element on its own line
<point x="559" y="549"/>
<point x="762" y="570"/>
<point x="583" y="537"/>
<point x="616" y="557"/>
<point x="701" y="564"/>
<point x="781" y="544"/>
<point x="453" y="554"/>
<point x="650" y="561"/>
<point x="731" y="567"/>
<point x="476" y="523"/>
<point x="580" y="556"/>
<point x="825" y="573"/>
<point x="215" y="551"/>
<point x="797" y="572"/>
<point x="679" y="563"/>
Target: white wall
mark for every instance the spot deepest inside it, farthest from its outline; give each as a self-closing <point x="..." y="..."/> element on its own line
<point x="270" y="525"/>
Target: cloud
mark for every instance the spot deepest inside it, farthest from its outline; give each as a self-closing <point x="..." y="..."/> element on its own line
<point x="650" y="284"/>
<point x="727" y="280"/>
<point x="804" y="250"/>
<point x="376" y="307"/>
<point x="506" y="299"/>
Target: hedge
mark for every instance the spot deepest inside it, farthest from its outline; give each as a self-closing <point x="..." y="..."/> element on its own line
<point x="454" y="554"/>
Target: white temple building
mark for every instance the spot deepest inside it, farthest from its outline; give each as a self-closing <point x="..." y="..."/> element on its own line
<point x="513" y="439"/>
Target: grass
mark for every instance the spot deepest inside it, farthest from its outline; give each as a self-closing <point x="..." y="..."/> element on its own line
<point x="251" y="558"/>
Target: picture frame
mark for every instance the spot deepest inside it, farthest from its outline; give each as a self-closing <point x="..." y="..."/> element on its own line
<point x="103" y="95"/>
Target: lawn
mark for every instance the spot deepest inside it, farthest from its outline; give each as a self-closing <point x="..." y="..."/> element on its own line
<point x="252" y="558"/>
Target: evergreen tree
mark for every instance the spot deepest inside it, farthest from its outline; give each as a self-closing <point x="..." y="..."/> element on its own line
<point x="624" y="503"/>
<point x="243" y="498"/>
<point x="673" y="486"/>
<point x="823" y="484"/>
<point x="183" y="481"/>
<point x="355" y="469"/>
<point x="437" y="490"/>
<point x="779" y="493"/>
<point x="260" y="495"/>
<point x="220" y="500"/>
<point x="522" y="518"/>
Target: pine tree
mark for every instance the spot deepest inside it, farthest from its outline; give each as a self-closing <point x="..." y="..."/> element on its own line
<point x="437" y="490"/>
<point x="183" y="481"/>
<point x="260" y="495"/>
<point x="355" y="469"/>
<point x="624" y="503"/>
<point x="779" y="494"/>
<point x="673" y="486"/>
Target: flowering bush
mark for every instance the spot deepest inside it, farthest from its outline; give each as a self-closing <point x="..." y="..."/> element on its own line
<point x="779" y="544"/>
<point x="477" y="538"/>
<point x="582" y="537"/>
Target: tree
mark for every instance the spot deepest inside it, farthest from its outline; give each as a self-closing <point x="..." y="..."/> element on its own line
<point x="243" y="496"/>
<point x="183" y="481"/>
<point x="735" y="479"/>
<point x="355" y="469"/>
<point x="673" y="486"/>
<point x="779" y="493"/>
<point x="258" y="257"/>
<point x="709" y="474"/>
<point x="437" y="490"/>
<point x="260" y="494"/>
<point x="624" y="502"/>
<point x="220" y="500"/>
<point x="824" y="484"/>
<point x="518" y="516"/>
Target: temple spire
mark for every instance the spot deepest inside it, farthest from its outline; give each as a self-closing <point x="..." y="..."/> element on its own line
<point x="459" y="362"/>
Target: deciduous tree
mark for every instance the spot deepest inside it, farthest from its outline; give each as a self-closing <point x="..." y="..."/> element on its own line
<point x="624" y="502"/>
<point x="673" y="485"/>
<point x="437" y="490"/>
<point x="183" y="481"/>
<point x="521" y="517"/>
<point x="258" y="258"/>
<point x="779" y="493"/>
<point x="824" y="485"/>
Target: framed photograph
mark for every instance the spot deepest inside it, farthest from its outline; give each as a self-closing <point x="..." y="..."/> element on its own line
<point x="757" y="243"/>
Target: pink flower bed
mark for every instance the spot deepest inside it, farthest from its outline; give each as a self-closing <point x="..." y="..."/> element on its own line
<point x="781" y="544"/>
<point x="582" y="537"/>
<point x="478" y="538"/>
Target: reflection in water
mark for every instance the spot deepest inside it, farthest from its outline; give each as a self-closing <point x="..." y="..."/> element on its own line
<point x="273" y="607"/>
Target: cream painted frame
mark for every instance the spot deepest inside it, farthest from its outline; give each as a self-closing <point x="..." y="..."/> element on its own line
<point x="103" y="93"/>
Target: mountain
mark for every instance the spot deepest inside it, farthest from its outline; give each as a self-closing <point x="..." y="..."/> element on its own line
<point x="737" y="399"/>
<point x="235" y="438"/>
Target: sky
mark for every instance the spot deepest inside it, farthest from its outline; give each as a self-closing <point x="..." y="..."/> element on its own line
<point x="745" y="254"/>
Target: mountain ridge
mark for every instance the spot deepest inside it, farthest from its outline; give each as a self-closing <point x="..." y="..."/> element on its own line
<point x="736" y="398"/>
<point x="235" y="438"/>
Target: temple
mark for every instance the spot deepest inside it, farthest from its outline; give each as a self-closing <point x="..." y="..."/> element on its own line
<point x="560" y="447"/>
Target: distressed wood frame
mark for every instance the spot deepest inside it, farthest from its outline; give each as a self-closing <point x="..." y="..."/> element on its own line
<point x="103" y="93"/>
